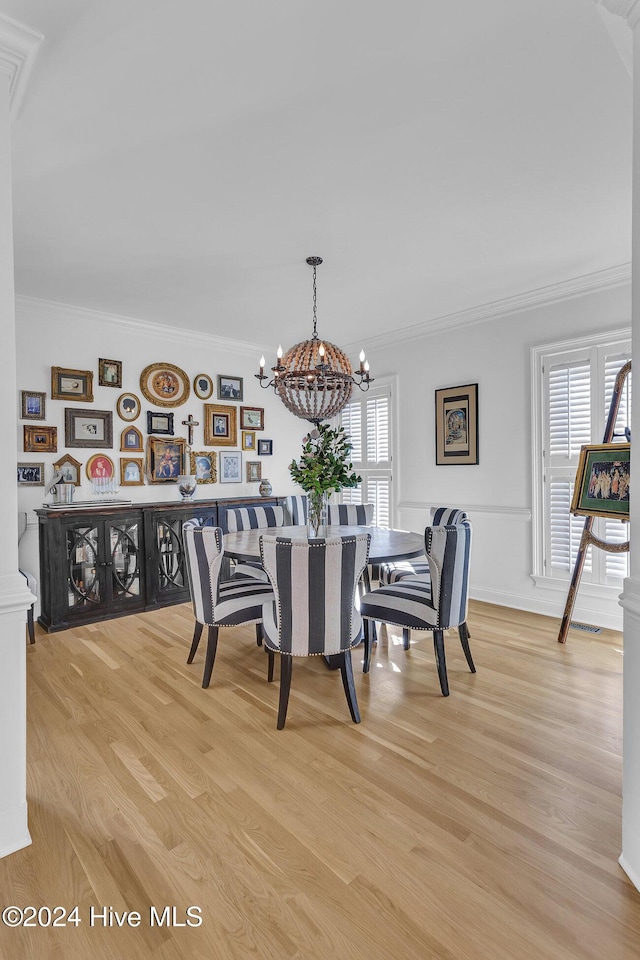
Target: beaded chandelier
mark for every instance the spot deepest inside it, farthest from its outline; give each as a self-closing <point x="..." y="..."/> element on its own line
<point x="314" y="378"/>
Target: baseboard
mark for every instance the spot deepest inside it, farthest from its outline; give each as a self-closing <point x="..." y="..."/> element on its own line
<point x="630" y="872"/>
<point x="549" y="608"/>
<point x="14" y="832"/>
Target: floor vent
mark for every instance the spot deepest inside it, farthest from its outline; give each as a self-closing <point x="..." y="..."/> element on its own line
<point x="586" y="627"/>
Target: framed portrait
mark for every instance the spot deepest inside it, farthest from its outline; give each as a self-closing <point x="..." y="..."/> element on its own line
<point x="165" y="459"/>
<point x="202" y="386"/>
<point x="70" y="468"/>
<point x="230" y="388"/>
<point x="252" y="418"/>
<point x="203" y="466"/>
<point x="100" y="467"/>
<point x="40" y="439"/>
<point x="254" y="471"/>
<point x="457" y="425"/>
<point x="128" y="406"/>
<point x="131" y="440"/>
<point x="88" y="428"/>
<point x="230" y="467"/>
<point x="220" y="425"/>
<point x="165" y="384"/>
<point x="248" y="440"/>
<point x="159" y="423"/>
<point x="71" y="384"/>
<point x="265" y="448"/>
<point x="602" y="481"/>
<point x="131" y="472"/>
<point x="31" y="474"/>
<point x="33" y="405"/>
<point x="110" y="373"/>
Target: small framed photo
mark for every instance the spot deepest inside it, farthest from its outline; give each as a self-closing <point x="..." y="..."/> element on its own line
<point x="254" y="471"/>
<point x="100" y="467"/>
<point x="220" y="425"/>
<point x="602" y="481"/>
<point x="71" y="384"/>
<point x="131" y="440"/>
<point x="70" y="468"/>
<point x="131" y="472"/>
<point x="33" y="405"/>
<point x="248" y="440"/>
<point x="165" y="459"/>
<point x="230" y="467"/>
<point x="160" y="423"/>
<point x="110" y="373"/>
<point x="230" y="388"/>
<point x="88" y="428"/>
<point x="31" y="474"/>
<point x="203" y="466"/>
<point x="252" y="418"/>
<point x="128" y="406"/>
<point x="265" y="448"/>
<point x="40" y="439"/>
<point x="457" y="425"/>
<point x="202" y="386"/>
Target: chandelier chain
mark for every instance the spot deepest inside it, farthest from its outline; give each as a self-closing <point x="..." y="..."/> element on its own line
<point x="315" y="306"/>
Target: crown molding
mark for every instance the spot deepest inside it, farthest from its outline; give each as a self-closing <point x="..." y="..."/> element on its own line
<point x="52" y="311"/>
<point x="543" y="296"/>
<point x="19" y="47"/>
<point x="629" y="10"/>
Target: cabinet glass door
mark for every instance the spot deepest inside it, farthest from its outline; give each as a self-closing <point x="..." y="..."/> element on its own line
<point x="124" y="542"/>
<point x="83" y="582"/>
<point x="170" y="560"/>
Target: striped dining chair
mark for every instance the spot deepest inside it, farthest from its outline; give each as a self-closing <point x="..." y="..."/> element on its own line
<point x="314" y="613"/>
<point x="216" y="602"/>
<point x="252" y="518"/>
<point x="435" y="602"/>
<point x="296" y="510"/>
<point x="350" y="514"/>
<point x="392" y="572"/>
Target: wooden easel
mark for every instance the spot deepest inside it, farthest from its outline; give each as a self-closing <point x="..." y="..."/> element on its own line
<point x="588" y="538"/>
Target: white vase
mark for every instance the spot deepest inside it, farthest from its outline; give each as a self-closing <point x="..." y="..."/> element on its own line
<point x="187" y="486"/>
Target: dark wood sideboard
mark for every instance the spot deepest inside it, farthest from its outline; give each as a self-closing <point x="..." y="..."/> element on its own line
<point x="109" y="560"/>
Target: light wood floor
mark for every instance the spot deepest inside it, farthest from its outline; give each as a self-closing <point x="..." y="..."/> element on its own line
<point x="484" y="826"/>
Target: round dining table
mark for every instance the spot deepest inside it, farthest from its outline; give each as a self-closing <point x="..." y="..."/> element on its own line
<point x="386" y="546"/>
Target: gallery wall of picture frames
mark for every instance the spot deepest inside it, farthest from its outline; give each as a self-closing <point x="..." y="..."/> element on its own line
<point x="162" y="384"/>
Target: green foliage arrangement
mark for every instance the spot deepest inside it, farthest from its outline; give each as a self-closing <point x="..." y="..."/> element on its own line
<point x="325" y="467"/>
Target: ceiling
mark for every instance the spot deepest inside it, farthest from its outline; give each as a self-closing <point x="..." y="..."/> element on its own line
<point x="177" y="162"/>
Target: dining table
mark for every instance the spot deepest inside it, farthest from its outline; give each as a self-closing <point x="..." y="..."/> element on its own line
<point x="387" y="545"/>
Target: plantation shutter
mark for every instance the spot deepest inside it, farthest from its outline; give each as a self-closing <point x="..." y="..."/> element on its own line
<point x="367" y="420"/>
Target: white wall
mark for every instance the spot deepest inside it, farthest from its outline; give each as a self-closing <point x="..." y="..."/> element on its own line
<point x="497" y="492"/>
<point x="55" y="335"/>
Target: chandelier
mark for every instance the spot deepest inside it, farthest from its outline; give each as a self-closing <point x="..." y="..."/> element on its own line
<point x="314" y="378"/>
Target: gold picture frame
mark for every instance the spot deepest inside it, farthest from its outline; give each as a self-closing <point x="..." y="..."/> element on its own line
<point x="131" y="472"/>
<point x="165" y="384"/>
<point x="70" y="469"/>
<point x="68" y="384"/>
<point x="40" y="439"/>
<point x="203" y="466"/>
<point x="602" y="481"/>
<point x="220" y="425"/>
<point x="165" y="459"/>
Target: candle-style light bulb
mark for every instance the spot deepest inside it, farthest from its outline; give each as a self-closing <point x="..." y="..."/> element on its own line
<point x="321" y="351"/>
<point x="279" y="352"/>
<point x="361" y="358"/>
<point x="366" y="366"/>
<point x="262" y="363"/>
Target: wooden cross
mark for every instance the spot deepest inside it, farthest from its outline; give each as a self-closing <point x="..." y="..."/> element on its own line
<point x="190" y="423"/>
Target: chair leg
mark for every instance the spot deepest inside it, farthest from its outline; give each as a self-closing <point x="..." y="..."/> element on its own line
<point x="259" y="634"/>
<point x="406" y="638"/>
<point x="197" y="633"/>
<point x="286" y="666"/>
<point x="368" y="644"/>
<point x="212" y="646"/>
<point x="30" y="626"/>
<point x="441" y="663"/>
<point x="271" y="655"/>
<point x="346" y="671"/>
<point x="463" y="631"/>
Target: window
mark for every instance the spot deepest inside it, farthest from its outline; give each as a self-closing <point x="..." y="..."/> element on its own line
<point x="573" y="405"/>
<point x="367" y="421"/>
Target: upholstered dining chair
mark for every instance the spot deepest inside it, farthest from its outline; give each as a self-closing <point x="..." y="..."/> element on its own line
<point x="435" y="602"/>
<point x="392" y="572"/>
<point x="352" y="514"/>
<point x="216" y="602"/>
<point x="252" y="518"/>
<point x="296" y="510"/>
<point x="314" y="613"/>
